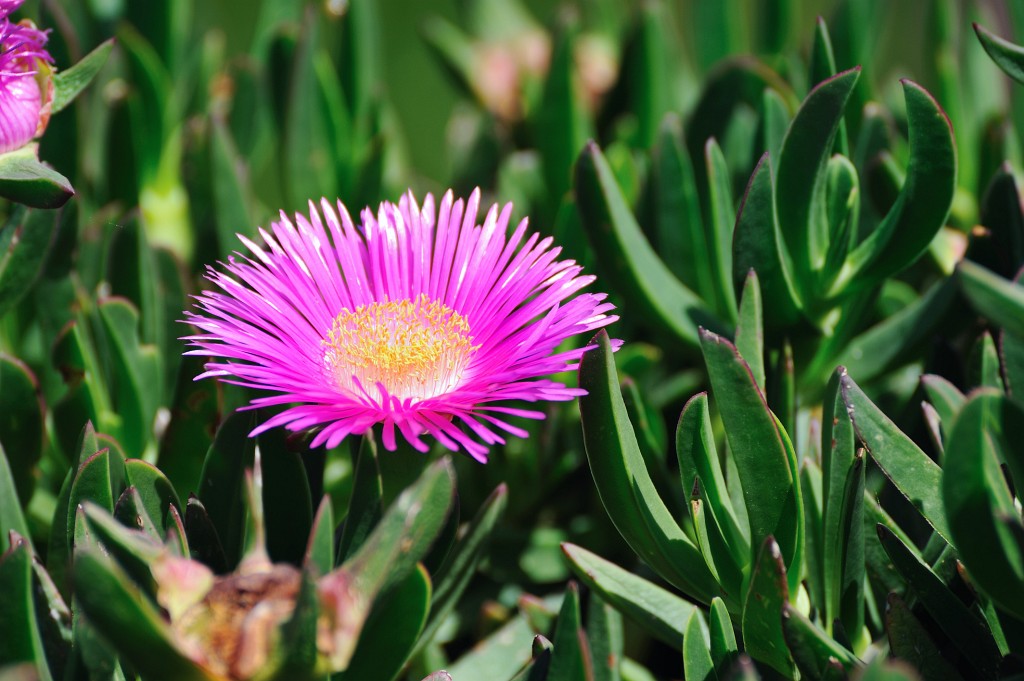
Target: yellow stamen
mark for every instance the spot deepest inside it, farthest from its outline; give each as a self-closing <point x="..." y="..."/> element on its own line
<point x="415" y="348"/>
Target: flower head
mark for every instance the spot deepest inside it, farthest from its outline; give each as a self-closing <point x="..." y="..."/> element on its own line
<point x="421" y="320"/>
<point x="26" y="91"/>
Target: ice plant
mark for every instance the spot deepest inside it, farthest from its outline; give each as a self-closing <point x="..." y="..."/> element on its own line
<point x="26" y="91"/>
<point x="421" y="320"/>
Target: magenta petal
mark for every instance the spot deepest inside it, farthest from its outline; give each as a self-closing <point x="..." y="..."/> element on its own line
<point x="421" y="319"/>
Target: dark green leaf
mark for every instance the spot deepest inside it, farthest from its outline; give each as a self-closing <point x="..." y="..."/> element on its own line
<point x="757" y="246"/>
<point x="813" y="650"/>
<point x="19" y="628"/>
<point x="697" y="661"/>
<point x="121" y="613"/>
<point x="722" y="636"/>
<point x="26" y="180"/>
<point x="916" y="476"/>
<point x="395" y="623"/>
<point x="634" y="266"/>
<point x="1001" y="301"/>
<point x="364" y="506"/>
<point x="221" y="483"/>
<point x="24" y="242"/>
<point x="231" y="199"/>
<point x="624" y="484"/>
<point x="155" y="491"/>
<point x="11" y="517"/>
<point x="750" y="328"/>
<point x="320" y="549"/>
<point x="569" y="659"/>
<point x="945" y="397"/>
<point x="965" y="629"/>
<point x="909" y="641"/>
<point x="1007" y="56"/>
<point x="719" y="227"/>
<point x="287" y="499"/>
<point x="461" y="565"/>
<point x="801" y="175"/>
<point x="605" y="634"/>
<point x="69" y="83"/>
<point x="763" y="608"/>
<point x="22" y="424"/>
<point x="767" y="472"/>
<point x="976" y="498"/>
<point x="658" y="611"/>
<point x="923" y="202"/>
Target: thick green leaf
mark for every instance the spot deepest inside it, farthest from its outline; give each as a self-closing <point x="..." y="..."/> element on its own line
<point x="801" y="175"/>
<point x="719" y="227"/>
<point x="763" y="607"/>
<point x="722" y="636"/>
<point x="501" y="655"/>
<point x="22" y="424"/>
<point x="155" y="490"/>
<point x="231" y="199"/>
<point x="945" y="397"/>
<point x="1007" y="56"/>
<point x="320" y="549"/>
<point x="697" y="661"/>
<point x="123" y="614"/>
<point x="221" y="482"/>
<point x="718" y="555"/>
<point x="19" y="628"/>
<point x="390" y="633"/>
<point x="983" y="364"/>
<point x="24" y="243"/>
<point x="1001" y="246"/>
<point x="813" y="650"/>
<point x="757" y="246"/>
<point x="195" y="415"/>
<point x="26" y="180"/>
<point x="562" y="124"/>
<point x="605" y="635"/>
<point x="624" y="484"/>
<point x="204" y="542"/>
<point x="698" y="459"/>
<point x="976" y="497"/>
<point x="570" y="660"/>
<point x="405" y="531"/>
<point x="923" y="202"/>
<point x="1001" y="301"/>
<point x="634" y="266"/>
<point x="680" y="227"/>
<point x="364" y="506"/>
<point x="462" y="563"/>
<point x="11" y="517"/>
<point x="767" y="473"/>
<point x="909" y="641"/>
<point x="660" y="612"/>
<point x="69" y="83"/>
<point x="842" y="514"/>
<point x="916" y="476"/>
<point x="965" y="629"/>
<point x="137" y="374"/>
<point x="750" y="328"/>
<point x="287" y="499"/>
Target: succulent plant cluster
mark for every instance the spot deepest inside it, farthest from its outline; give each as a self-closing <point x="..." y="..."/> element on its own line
<point x="814" y="259"/>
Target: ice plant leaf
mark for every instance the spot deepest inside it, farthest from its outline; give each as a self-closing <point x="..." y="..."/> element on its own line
<point x="766" y="597"/>
<point x="967" y="630"/>
<point x="1007" y="55"/>
<point x="1000" y="300"/>
<point x="25" y="240"/>
<point x="976" y="497"/>
<point x="123" y="614"/>
<point x="813" y="650"/>
<point x="624" y="483"/>
<point x="364" y="506"/>
<point x="923" y="202"/>
<point x="11" y="517"/>
<point x="619" y="242"/>
<point x="658" y="611"/>
<point x="916" y="476"/>
<point x="569" y="660"/>
<point x="420" y="320"/>
<point x="70" y="82"/>
<point x="22" y="419"/>
<point x="697" y="660"/>
<point x="910" y="641"/>
<point x="25" y="179"/>
<point x="20" y="639"/>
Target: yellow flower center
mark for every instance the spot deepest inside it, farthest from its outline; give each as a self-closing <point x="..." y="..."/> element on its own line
<point x="415" y="348"/>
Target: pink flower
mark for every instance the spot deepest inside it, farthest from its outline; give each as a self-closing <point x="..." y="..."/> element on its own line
<point x="24" y="96"/>
<point x="422" y="321"/>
